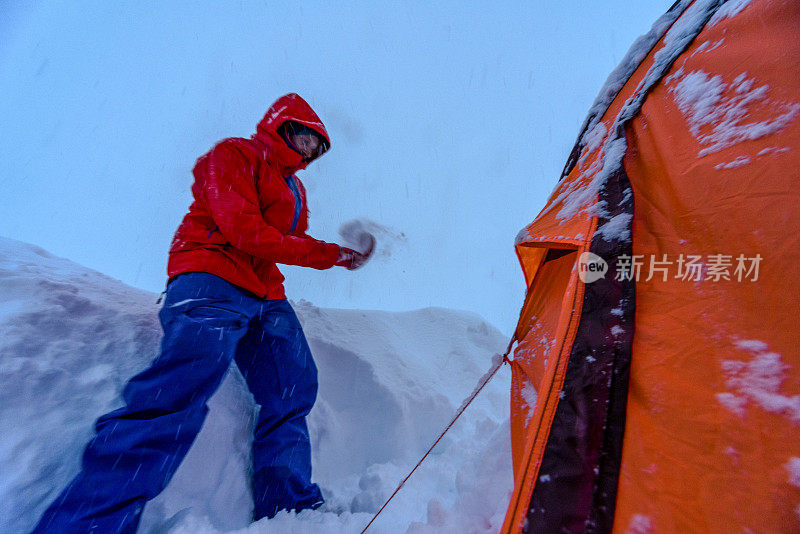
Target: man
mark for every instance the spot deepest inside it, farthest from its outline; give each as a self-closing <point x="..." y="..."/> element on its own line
<point x="224" y="301"/>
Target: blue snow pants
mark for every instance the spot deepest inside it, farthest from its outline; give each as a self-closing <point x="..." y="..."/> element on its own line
<point x="207" y="323"/>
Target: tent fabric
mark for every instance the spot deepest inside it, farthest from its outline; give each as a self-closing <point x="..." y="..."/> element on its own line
<point x="580" y="464"/>
<point x="667" y="402"/>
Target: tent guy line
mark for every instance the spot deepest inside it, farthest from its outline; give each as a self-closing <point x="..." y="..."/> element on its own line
<point x="497" y="362"/>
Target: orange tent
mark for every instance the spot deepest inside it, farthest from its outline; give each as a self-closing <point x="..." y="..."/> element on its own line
<point x="656" y="380"/>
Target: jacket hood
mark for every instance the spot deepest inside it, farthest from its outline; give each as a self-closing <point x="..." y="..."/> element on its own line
<point x="289" y="107"/>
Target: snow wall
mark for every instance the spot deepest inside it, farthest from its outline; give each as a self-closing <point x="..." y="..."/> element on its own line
<point x="389" y="382"/>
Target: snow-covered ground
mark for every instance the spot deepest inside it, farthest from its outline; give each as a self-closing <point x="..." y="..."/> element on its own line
<point x="70" y="337"/>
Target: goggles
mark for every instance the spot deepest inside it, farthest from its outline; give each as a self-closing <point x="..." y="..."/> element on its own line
<point x="304" y="140"/>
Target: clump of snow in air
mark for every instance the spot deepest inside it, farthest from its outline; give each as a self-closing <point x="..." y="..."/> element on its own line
<point x="717" y="111"/>
<point x="758" y="381"/>
<point x="389" y="383"/>
<point x="353" y="234"/>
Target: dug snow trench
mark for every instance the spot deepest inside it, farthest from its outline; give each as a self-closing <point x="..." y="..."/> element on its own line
<point x="389" y="382"/>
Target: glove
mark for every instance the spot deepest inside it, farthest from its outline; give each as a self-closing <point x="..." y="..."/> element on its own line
<point x="353" y="259"/>
<point x="350" y="259"/>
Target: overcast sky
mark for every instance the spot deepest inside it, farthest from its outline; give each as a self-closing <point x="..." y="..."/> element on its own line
<point x="450" y="124"/>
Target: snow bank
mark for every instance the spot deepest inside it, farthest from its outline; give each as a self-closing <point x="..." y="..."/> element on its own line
<point x="388" y="383"/>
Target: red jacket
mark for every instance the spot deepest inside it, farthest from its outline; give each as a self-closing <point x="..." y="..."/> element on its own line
<point x="240" y="223"/>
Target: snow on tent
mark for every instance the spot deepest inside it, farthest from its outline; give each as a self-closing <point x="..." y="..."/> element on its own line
<point x="662" y="394"/>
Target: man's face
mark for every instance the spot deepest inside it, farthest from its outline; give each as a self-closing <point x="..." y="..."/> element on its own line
<point x="307" y="144"/>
